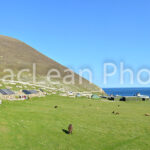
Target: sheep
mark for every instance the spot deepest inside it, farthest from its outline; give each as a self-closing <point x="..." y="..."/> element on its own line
<point x="147" y="114"/>
<point x="70" y="129"/>
<point x="117" y="113"/>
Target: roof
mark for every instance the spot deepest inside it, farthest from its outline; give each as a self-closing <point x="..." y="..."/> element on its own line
<point x="95" y="96"/>
<point x="28" y="92"/>
<point x="6" y="92"/>
<point x="141" y="96"/>
<point x="41" y="90"/>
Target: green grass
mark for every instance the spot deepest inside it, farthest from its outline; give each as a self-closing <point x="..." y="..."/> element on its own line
<point x="36" y="125"/>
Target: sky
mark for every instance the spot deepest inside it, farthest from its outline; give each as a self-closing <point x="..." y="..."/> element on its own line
<point x="85" y="34"/>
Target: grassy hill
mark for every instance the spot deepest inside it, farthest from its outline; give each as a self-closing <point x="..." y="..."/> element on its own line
<point x="17" y="55"/>
<point x="35" y="124"/>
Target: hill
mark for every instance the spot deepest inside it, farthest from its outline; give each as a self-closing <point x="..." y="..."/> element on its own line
<point x="17" y="55"/>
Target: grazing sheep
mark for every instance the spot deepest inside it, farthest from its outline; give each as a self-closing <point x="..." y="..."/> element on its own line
<point x="117" y="113"/>
<point x="147" y="114"/>
<point x="70" y="129"/>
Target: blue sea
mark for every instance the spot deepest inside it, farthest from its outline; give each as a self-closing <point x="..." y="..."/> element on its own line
<point x="127" y="91"/>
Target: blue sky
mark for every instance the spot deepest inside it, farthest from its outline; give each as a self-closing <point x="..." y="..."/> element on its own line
<point x="83" y="33"/>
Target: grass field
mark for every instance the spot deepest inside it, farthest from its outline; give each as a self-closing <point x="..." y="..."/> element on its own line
<point x="36" y="125"/>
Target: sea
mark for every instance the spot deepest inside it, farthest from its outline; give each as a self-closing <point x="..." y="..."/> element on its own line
<point x="127" y="91"/>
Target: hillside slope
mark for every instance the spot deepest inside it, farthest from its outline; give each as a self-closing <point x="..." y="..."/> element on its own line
<point x="17" y="55"/>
